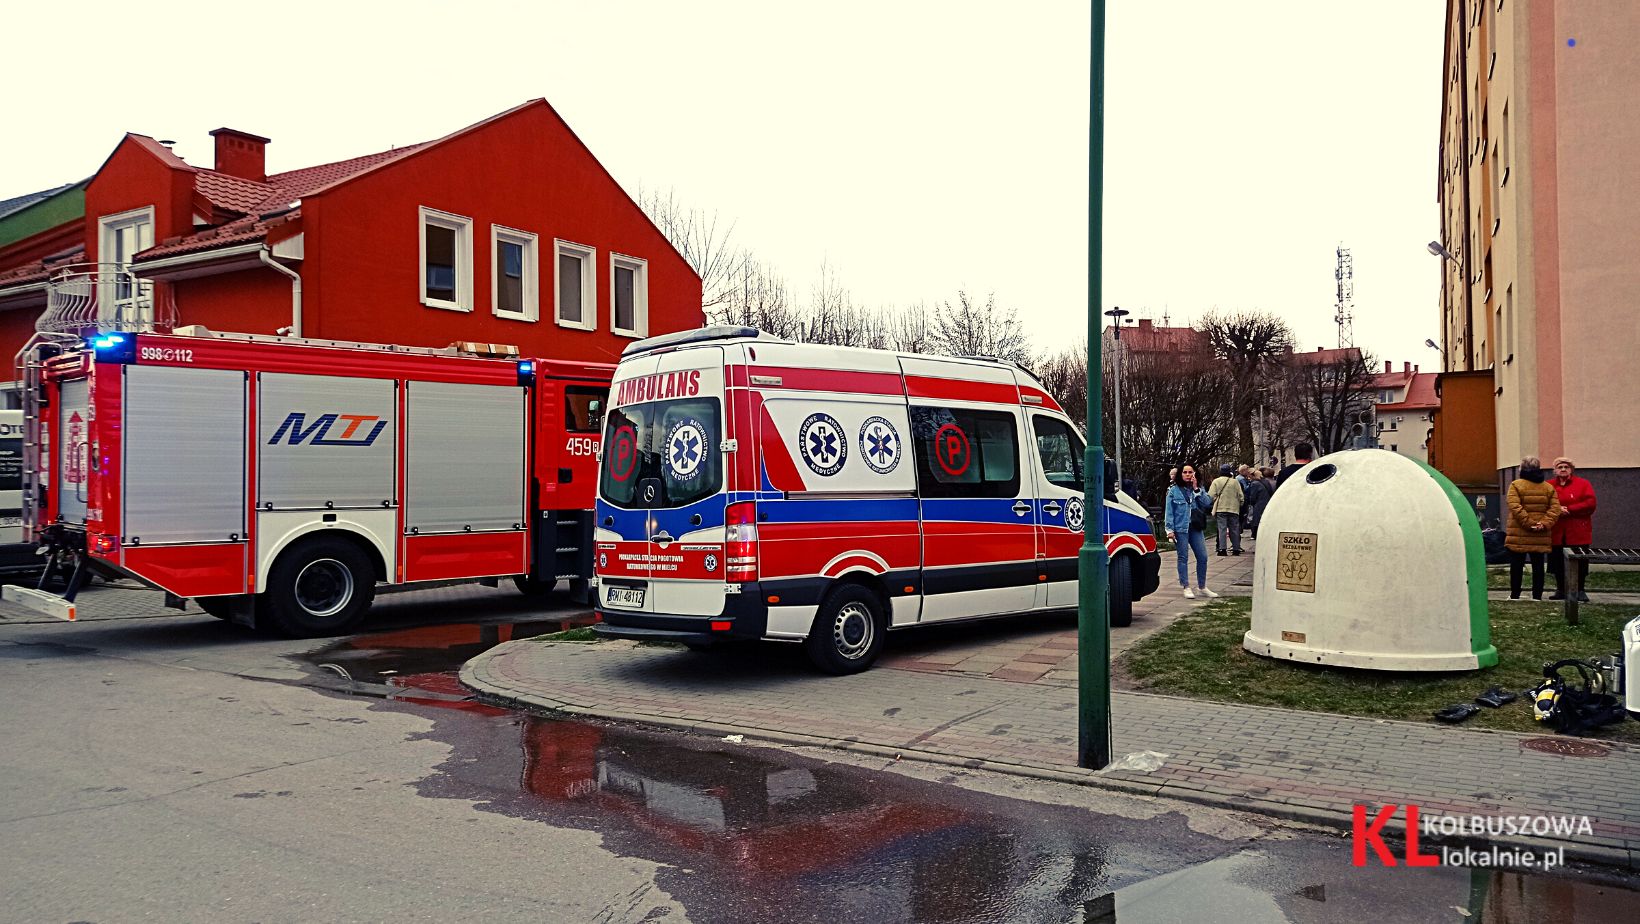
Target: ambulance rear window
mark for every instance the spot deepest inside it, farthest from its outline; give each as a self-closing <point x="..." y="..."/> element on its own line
<point x="665" y="448"/>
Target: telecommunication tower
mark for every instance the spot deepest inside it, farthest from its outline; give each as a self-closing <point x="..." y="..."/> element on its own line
<point x="1342" y="312"/>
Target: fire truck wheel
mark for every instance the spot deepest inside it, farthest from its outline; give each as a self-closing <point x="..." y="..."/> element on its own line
<point x="320" y="587"/>
<point x="530" y="587"/>
<point x="1121" y="591"/>
<point x="215" y="606"/>
<point x="848" y="631"/>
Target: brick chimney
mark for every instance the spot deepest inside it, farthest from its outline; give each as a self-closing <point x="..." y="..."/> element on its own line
<point x="1146" y="323"/>
<point x="1406" y="368"/>
<point x="241" y="154"/>
<point x="1388" y="367"/>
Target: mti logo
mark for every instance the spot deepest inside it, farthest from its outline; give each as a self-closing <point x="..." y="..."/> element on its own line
<point x="320" y="430"/>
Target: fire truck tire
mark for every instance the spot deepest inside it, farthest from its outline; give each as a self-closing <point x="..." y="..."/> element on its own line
<point x="1121" y="591"/>
<point x="530" y="587"/>
<point x="848" y="631"/>
<point x="215" y="606"/>
<point x="318" y="588"/>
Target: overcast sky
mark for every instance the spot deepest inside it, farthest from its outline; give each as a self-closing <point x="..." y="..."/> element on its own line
<point x="917" y="148"/>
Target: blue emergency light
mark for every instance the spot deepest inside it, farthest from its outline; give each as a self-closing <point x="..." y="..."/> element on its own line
<point x="113" y="347"/>
<point x="526" y="372"/>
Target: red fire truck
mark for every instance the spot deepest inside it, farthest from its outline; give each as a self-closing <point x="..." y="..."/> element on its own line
<point x="277" y="481"/>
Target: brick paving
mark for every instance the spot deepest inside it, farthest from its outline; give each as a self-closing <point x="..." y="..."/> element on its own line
<point x="1007" y="702"/>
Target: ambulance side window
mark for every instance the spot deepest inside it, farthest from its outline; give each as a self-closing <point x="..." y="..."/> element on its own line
<point x="584" y="409"/>
<point x="1061" y="452"/>
<point x="966" y="453"/>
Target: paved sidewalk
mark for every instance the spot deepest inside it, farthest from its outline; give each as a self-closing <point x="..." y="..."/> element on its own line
<point x="1042" y="649"/>
<point x="1303" y="766"/>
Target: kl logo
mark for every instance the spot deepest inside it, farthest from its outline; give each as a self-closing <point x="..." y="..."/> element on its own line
<point x="1364" y="834"/>
<point x="299" y="430"/>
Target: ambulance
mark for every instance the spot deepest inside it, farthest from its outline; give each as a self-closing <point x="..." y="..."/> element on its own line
<point x="278" y="481"/>
<point x="754" y="488"/>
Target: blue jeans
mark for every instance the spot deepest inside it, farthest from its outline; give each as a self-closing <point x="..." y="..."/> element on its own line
<point x="1183" y="545"/>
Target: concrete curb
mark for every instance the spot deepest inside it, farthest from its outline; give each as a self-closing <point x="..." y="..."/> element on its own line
<point x="477" y="676"/>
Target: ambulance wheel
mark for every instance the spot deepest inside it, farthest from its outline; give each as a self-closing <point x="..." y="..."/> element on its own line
<point x="1121" y="591"/>
<point x="848" y="631"/>
<point x="320" y="587"/>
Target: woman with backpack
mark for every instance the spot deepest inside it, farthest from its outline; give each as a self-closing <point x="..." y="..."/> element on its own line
<point x="1186" y="520"/>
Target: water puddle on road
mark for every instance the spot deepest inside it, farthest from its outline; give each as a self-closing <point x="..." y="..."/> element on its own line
<point x="751" y="834"/>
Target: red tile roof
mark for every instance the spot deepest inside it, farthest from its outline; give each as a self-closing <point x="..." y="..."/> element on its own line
<point x="1325" y="357"/>
<point x="251" y="200"/>
<point x="42" y="269"/>
<point x="1420" y="394"/>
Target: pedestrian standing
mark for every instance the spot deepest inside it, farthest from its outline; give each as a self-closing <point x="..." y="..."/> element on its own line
<point x="1258" y="494"/>
<point x="1227" y="497"/>
<point x="1305" y="454"/>
<point x="1574" y="531"/>
<point x="1533" y="509"/>
<point x="1186" y="519"/>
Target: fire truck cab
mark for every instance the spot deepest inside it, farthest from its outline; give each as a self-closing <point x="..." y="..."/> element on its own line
<point x="755" y="488"/>
<point x="277" y="481"/>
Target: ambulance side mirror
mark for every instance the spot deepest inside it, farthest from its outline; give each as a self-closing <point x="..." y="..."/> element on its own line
<point x="1112" y="482"/>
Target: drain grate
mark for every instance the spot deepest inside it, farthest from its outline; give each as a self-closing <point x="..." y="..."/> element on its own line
<point x="1565" y="747"/>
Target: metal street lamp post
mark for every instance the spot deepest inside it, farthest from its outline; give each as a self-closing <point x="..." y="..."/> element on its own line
<point x="1093" y="620"/>
<point x="1117" y="314"/>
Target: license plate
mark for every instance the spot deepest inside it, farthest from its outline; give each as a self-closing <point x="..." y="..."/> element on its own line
<point x="627" y="598"/>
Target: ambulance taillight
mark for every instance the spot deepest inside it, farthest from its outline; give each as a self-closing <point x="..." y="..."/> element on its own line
<point x="740" y="543"/>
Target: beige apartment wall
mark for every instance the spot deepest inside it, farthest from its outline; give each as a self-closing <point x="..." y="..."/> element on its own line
<point x="1597" y="401"/>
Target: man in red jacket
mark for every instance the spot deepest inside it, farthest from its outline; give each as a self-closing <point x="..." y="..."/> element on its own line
<point x="1575" y="528"/>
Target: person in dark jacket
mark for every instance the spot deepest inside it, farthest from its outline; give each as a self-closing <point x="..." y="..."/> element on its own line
<point x="1575" y="528"/>
<point x="1305" y="454"/>
<point x="1258" y="494"/>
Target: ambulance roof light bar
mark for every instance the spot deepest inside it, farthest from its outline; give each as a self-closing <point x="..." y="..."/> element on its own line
<point x="699" y="335"/>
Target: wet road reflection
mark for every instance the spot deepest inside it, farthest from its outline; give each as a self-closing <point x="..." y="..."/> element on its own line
<point x="749" y="834"/>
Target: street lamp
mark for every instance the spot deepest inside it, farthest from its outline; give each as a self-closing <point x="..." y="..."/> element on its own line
<point x="1116" y="315"/>
<point x="1439" y="250"/>
<point x="1431" y="344"/>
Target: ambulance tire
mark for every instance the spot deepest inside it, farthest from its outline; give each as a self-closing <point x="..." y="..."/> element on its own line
<point x="1121" y="591"/>
<point x="848" y="631"/>
<point x="318" y="588"/>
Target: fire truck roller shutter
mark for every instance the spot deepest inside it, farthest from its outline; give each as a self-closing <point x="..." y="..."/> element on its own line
<point x="465" y="458"/>
<point x="325" y="442"/>
<point x="184" y="435"/>
<point x="71" y="450"/>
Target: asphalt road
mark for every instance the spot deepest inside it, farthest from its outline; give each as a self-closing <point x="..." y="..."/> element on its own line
<point x="175" y="768"/>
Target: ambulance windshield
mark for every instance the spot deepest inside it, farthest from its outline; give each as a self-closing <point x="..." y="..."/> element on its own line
<point x="662" y="453"/>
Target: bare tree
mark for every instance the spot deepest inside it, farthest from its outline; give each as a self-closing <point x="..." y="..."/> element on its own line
<point x="1331" y="395"/>
<point x="703" y="241"/>
<point x="1172" y="413"/>
<point x="1065" y="376"/>
<point x="1252" y="344"/>
<point x="968" y="328"/>
<point x="759" y="299"/>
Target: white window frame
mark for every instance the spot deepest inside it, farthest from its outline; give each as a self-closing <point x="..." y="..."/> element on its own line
<point x="500" y="234"/>
<point x="141" y="293"/>
<point x="640" y="295"/>
<point x="463" y="228"/>
<point x="589" y="284"/>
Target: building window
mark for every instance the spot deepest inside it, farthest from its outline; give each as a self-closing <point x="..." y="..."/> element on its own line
<point x="964" y="453"/>
<point x="446" y="260"/>
<point x="1394" y="448"/>
<point x="629" y="295"/>
<point x="577" y="289"/>
<point x="123" y="297"/>
<point x="516" y="285"/>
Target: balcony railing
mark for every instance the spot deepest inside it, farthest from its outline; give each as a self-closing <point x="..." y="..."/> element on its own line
<point x="88" y="297"/>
